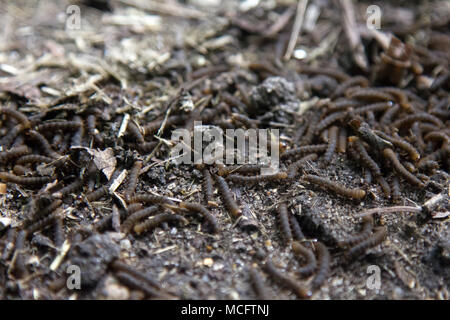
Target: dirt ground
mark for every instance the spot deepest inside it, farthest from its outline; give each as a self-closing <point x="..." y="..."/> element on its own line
<point x="129" y="58"/>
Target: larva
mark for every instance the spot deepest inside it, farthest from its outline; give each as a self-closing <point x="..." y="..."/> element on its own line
<point x="154" y="126"/>
<point x="150" y="198"/>
<point x="400" y="143"/>
<point x="357" y="194"/>
<point x="26" y="181"/>
<point x="9" y="245"/>
<point x="147" y="147"/>
<point x="92" y="130"/>
<point x="309" y="135"/>
<point x="227" y="197"/>
<point x="8" y="139"/>
<point x="400" y="97"/>
<point x="133" y="179"/>
<point x="332" y="141"/>
<point x="295" y="166"/>
<point x="33" y="158"/>
<point x="283" y="220"/>
<point x="366" y="231"/>
<point x="368" y="94"/>
<point x="390" y="113"/>
<point x="59" y="235"/>
<point x="374" y="107"/>
<point x="392" y="157"/>
<point x="133" y="130"/>
<point x="16" y="152"/>
<point x="367" y="177"/>
<point x="233" y="101"/>
<point x="428" y="165"/>
<point x="208" y="71"/>
<point x="244" y="168"/>
<point x="396" y="194"/>
<point x="421" y="116"/>
<point x="375" y="239"/>
<point x="352" y="82"/>
<point x="333" y="73"/>
<point x="155" y="221"/>
<point x="307" y="256"/>
<point x="77" y="138"/>
<point x="342" y="140"/>
<point x="323" y="265"/>
<point x="246" y="121"/>
<point x="341" y="105"/>
<point x="118" y="265"/>
<point x="304" y="150"/>
<point x="195" y="207"/>
<point x="365" y="157"/>
<point x="132" y="219"/>
<point x="285" y="280"/>
<point x="43" y="143"/>
<point x="258" y="284"/>
<point x="97" y="194"/>
<point x="296" y="229"/>
<point x="417" y="134"/>
<point x="137" y="284"/>
<point x="384" y="186"/>
<point x="70" y="188"/>
<point x="328" y="120"/>
<point x="437" y="155"/>
<point x="44" y="222"/>
<point x="58" y="125"/>
<point x="237" y="178"/>
<point x="17" y="115"/>
<point x="299" y="133"/>
<point x="19" y="259"/>
<point x="207" y="186"/>
<point x="20" y="170"/>
<point x="437" y="135"/>
<point x="440" y="81"/>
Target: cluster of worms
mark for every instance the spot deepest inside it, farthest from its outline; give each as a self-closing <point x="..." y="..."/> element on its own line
<point x="389" y="134"/>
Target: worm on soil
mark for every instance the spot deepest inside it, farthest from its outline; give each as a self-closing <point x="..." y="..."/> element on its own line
<point x="307" y="256"/>
<point x="357" y="194"/>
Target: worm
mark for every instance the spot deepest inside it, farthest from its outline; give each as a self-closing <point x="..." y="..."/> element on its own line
<point x="8" y="139"/>
<point x="333" y="73"/>
<point x="17" y="115"/>
<point x="428" y="165"/>
<point x="33" y="158"/>
<point x="368" y="94"/>
<point x="332" y="141"/>
<point x="15" y="152"/>
<point x="400" y="97"/>
<point x="52" y="126"/>
<point x="396" y="194"/>
<point x="92" y="130"/>
<point x="258" y="284"/>
<point x="77" y="138"/>
<point x="196" y="207"/>
<point x="328" y="120"/>
<point x="367" y="177"/>
<point x="133" y="179"/>
<point x="400" y="143"/>
<point x="392" y="157"/>
<point x="437" y="155"/>
<point x="246" y="121"/>
<point x="342" y="104"/>
<point x="245" y="168"/>
<point x="356" y="194"/>
<point x="70" y="188"/>
<point x="133" y="218"/>
<point x="19" y="261"/>
<point x="97" y="194"/>
<point x="59" y="232"/>
<point x="306" y="255"/>
<point x="10" y="239"/>
<point x="154" y="221"/>
<point x="150" y="198"/>
<point x="299" y="133"/>
<point x="342" y="140"/>
<point x="367" y="134"/>
<point x="133" y="130"/>
<point x="304" y="150"/>
<point x="137" y="284"/>
<point x="26" y="181"/>
<point x="417" y="134"/>
<point x="44" y="222"/>
<point x="323" y="265"/>
<point x="227" y="197"/>
<point x="207" y="185"/>
<point x="309" y="135"/>
<point x="352" y="82"/>
<point x="384" y="186"/>
<point x="233" y="101"/>
<point x="20" y="170"/>
<point x="285" y="280"/>
<point x="421" y="116"/>
<point x="375" y="239"/>
<point x="118" y="265"/>
<point x="295" y="166"/>
<point x="374" y="107"/>
<point x="154" y="126"/>
<point x="147" y="147"/>
<point x="390" y="113"/>
<point x="296" y="229"/>
<point x="237" y="178"/>
<point x="365" y="157"/>
<point x="437" y="135"/>
<point x="43" y="143"/>
<point x="283" y="220"/>
<point x="366" y="231"/>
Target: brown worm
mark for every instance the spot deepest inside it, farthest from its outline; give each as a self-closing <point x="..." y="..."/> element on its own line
<point x="332" y="142"/>
<point x="227" y="197"/>
<point x="366" y="231"/>
<point x="8" y="139"/>
<point x="375" y="239"/>
<point x="323" y="265"/>
<point x="384" y="186"/>
<point x="307" y="256"/>
<point x="285" y="280"/>
<point x="400" y="143"/>
<point x="392" y="157"/>
<point x="244" y="168"/>
<point x="304" y="150"/>
<point x="150" y="198"/>
<point x="118" y="265"/>
<point x="309" y="135"/>
<point x="374" y="107"/>
<point x="26" y="181"/>
<point x="421" y="116"/>
<point x="77" y="138"/>
<point x="21" y="170"/>
<point x="70" y="188"/>
<point x="59" y="235"/>
<point x="364" y="156"/>
<point x="328" y="120"/>
<point x="133" y="218"/>
<point x="133" y="179"/>
<point x="357" y="194"/>
<point x="133" y="131"/>
<point x="44" y="222"/>
<point x="92" y="130"/>
<point x="295" y="166"/>
<point x="207" y="185"/>
<point x="97" y="194"/>
<point x="153" y="127"/>
<point x="283" y="220"/>
<point x="43" y="143"/>
<point x="390" y="113"/>
<point x="195" y="207"/>
<point x="16" y="152"/>
<point x="237" y="178"/>
<point x="258" y="284"/>
<point x="33" y="158"/>
<point x="19" y="268"/>
<point x="296" y="229"/>
<point x="368" y="94"/>
<point x="342" y="140"/>
<point x="135" y="283"/>
<point x="352" y="82"/>
<point x="17" y="115"/>
<point x="58" y="125"/>
<point x="336" y="74"/>
<point x="155" y="221"/>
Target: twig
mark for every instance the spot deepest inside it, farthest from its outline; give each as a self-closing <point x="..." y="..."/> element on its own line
<point x="301" y="8"/>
